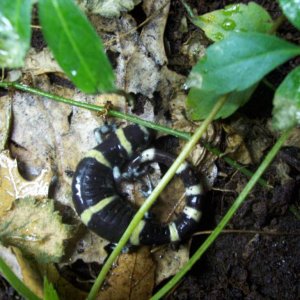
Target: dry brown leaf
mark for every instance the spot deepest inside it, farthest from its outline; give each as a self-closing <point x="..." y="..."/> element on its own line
<point x="107" y="8"/>
<point x="5" y="120"/>
<point x="89" y="248"/>
<point x="40" y="62"/>
<point x="13" y="186"/>
<point x="169" y="261"/>
<point x="35" y="228"/>
<point x="132" y="278"/>
<point x="140" y="57"/>
<point x="247" y="140"/>
<point x="237" y="149"/>
<point x="152" y="35"/>
<point x="61" y="285"/>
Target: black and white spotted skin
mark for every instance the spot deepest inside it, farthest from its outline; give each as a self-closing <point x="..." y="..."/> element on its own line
<point x="105" y="212"/>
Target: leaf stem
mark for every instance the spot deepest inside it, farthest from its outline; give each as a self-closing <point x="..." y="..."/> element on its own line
<point x="236" y="204"/>
<point x="151" y="199"/>
<point x="277" y="23"/>
<point x="130" y="118"/>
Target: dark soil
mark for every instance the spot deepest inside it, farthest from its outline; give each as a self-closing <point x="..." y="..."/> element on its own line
<point x="258" y="256"/>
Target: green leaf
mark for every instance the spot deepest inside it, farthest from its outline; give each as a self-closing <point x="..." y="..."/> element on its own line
<point x="291" y="8"/>
<point x="76" y="45"/>
<point x="286" y="111"/>
<point x="234" y="18"/>
<point x="15" y="282"/>
<point x="201" y="102"/>
<point x="15" y="16"/>
<point x="49" y="291"/>
<point x="239" y="61"/>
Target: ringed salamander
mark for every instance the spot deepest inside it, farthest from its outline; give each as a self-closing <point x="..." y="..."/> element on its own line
<point x="105" y="212"/>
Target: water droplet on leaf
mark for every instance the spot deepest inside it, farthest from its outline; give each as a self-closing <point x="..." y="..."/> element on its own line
<point x="231" y="9"/>
<point x="228" y="24"/>
<point x="218" y="36"/>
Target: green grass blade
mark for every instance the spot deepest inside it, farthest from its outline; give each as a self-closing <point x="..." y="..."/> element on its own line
<point x="15" y="282"/>
<point x="49" y="291"/>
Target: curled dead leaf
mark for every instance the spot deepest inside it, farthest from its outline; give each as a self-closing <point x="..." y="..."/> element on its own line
<point x="13" y="186"/>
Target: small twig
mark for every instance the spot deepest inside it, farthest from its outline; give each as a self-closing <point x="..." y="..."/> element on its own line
<point x="228" y="231"/>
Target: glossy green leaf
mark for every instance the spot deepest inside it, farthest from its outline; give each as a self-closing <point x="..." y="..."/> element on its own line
<point x="76" y="45"/>
<point x="200" y="103"/>
<point x="235" y="18"/>
<point x="286" y="111"/>
<point x="239" y="61"/>
<point x="15" y="17"/>
<point x="49" y="291"/>
<point x="291" y="8"/>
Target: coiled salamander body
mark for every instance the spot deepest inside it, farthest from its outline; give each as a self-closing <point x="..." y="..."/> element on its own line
<point x="105" y="212"/>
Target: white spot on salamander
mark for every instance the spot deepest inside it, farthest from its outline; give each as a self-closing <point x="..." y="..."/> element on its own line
<point x="116" y="173"/>
<point x="77" y="187"/>
<point x="148" y="155"/>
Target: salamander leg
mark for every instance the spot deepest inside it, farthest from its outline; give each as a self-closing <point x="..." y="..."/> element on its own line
<point x="148" y="186"/>
<point x="109" y="248"/>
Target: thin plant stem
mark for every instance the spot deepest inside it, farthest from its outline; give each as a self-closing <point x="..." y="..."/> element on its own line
<point x="131" y="118"/>
<point x="151" y="199"/>
<point x="236" y="204"/>
<point x="97" y="108"/>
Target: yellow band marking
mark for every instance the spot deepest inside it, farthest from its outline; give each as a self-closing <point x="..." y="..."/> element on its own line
<point x="145" y="131"/>
<point x="135" y="237"/>
<point x="174" y="236"/>
<point x="192" y="213"/>
<point x="124" y="141"/>
<point x="182" y="167"/>
<point x="193" y="190"/>
<point x="89" y="212"/>
<point x="99" y="157"/>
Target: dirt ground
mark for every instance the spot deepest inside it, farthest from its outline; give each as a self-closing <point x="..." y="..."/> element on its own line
<point x="261" y="259"/>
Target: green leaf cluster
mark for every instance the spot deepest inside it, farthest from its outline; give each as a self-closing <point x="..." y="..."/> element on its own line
<point x="234" y="18"/>
<point x="234" y="65"/>
<point x="291" y="10"/>
<point x="68" y="33"/>
<point x="14" y="32"/>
